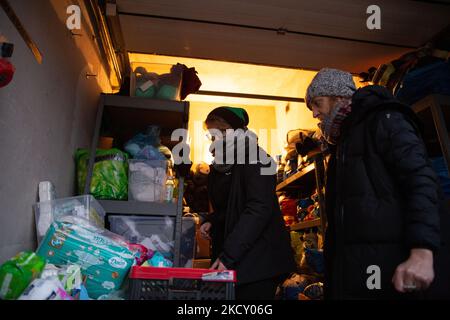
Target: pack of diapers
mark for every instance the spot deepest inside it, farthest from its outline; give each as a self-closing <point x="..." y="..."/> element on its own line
<point x="104" y="258"/>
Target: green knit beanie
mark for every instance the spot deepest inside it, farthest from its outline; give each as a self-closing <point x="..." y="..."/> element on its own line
<point x="237" y="118"/>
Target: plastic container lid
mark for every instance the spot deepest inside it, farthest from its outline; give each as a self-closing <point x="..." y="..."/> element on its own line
<point x="170" y="273"/>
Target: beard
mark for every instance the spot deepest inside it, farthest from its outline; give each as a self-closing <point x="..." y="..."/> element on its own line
<point x="330" y="126"/>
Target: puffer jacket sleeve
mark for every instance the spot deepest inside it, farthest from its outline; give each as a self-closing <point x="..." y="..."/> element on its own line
<point x="258" y="210"/>
<point x="404" y="152"/>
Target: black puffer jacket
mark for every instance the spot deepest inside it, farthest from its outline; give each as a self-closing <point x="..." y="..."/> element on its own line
<point x="254" y="240"/>
<point x="381" y="196"/>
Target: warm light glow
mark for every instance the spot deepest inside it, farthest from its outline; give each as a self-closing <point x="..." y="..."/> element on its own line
<point x="271" y="116"/>
<point x="240" y="77"/>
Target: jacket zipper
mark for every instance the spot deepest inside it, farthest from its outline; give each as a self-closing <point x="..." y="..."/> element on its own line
<point x="341" y="224"/>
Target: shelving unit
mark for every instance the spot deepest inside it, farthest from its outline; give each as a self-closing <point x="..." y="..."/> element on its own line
<point x="435" y="109"/>
<point x="139" y="208"/>
<point x="305" y="180"/>
<point x="306" y="173"/>
<point x="439" y="105"/>
<point x="306" y="225"/>
<point x="123" y="117"/>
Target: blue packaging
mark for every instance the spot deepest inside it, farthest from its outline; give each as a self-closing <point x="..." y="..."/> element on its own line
<point x="431" y="79"/>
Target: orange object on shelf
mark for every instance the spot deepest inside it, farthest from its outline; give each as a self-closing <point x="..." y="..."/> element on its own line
<point x="105" y="143"/>
<point x="301" y="296"/>
<point x="290" y="220"/>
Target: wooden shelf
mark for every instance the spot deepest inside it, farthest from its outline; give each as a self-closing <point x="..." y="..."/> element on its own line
<point x="306" y="225"/>
<point x="428" y="101"/>
<point x="124" y="117"/>
<point x="434" y="112"/>
<point x="293" y="181"/>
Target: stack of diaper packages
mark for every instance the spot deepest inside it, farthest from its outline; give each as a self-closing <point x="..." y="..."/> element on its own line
<point x="104" y="258"/>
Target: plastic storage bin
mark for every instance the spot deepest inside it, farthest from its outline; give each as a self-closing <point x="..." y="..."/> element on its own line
<point x="148" y="283"/>
<point x="188" y="243"/>
<point x="147" y="180"/>
<point x="157" y="81"/>
<point x="82" y="206"/>
<point x="157" y="234"/>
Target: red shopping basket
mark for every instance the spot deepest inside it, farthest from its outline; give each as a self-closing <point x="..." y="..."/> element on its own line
<point x="150" y="283"/>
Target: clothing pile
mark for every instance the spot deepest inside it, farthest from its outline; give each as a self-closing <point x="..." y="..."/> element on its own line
<point x="196" y="192"/>
<point x="307" y="283"/>
<point x="299" y="152"/>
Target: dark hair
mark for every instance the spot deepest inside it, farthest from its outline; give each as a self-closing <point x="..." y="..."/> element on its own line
<point x="215" y="118"/>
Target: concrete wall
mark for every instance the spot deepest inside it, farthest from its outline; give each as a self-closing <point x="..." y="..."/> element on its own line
<point x="45" y="114"/>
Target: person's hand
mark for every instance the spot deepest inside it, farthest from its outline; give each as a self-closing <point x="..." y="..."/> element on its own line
<point x="205" y="230"/>
<point x="416" y="273"/>
<point x="218" y="265"/>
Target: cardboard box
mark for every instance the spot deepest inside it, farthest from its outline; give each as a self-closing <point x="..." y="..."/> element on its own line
<point x="203" y="250"/>
<point x="202" y="263"/>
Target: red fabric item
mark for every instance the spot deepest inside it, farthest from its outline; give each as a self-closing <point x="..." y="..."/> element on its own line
<point x="289" y="210"/>
<point x="190" y="81"/>
<point x="6" y="72"/>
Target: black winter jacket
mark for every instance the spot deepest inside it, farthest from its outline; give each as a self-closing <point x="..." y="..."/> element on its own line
<point x="255" y="241"/>
<point x="381" y="196"/>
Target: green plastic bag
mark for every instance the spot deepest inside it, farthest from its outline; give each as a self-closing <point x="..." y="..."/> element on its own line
<point x="110" y="175"/>
<point x="18" y="272"/>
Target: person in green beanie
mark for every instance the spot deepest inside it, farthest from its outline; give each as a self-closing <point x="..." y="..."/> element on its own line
<point x="245" y="223"/>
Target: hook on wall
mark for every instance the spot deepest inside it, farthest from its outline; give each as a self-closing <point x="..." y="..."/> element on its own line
<point x="74" y="34"/>
<point x="91" y="71"/>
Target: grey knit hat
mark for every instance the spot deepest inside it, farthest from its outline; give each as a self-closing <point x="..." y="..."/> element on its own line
<point x="331" y="83"/>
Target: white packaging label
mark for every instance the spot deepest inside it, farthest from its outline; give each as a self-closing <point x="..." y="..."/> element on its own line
<point x="169" y="193"/>
<point x="117" y="262"/>
<point x="146" y="85"/>
<point x="86" y="260"/>
<point x="108" y="285"/>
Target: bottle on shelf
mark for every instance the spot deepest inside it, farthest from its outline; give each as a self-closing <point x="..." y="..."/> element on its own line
<point x="280" y="169"/>
<point x="170" y="187"/>
<point x="176" y="189"/>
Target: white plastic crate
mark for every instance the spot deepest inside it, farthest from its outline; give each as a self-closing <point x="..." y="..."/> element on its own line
<point x="140" y="229"/>
<point x="82" y="206"/>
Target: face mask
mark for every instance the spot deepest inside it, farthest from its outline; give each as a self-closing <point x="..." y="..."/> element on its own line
<point x="330" y="126"/>
<point x="231" y="146"/>
<point x="221" y="147"/>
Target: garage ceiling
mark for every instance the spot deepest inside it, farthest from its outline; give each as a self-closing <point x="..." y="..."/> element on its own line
<point x="313" y="34"/>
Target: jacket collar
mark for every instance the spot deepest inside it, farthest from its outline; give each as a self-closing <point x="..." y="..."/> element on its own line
<point x="373" y="98"/>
